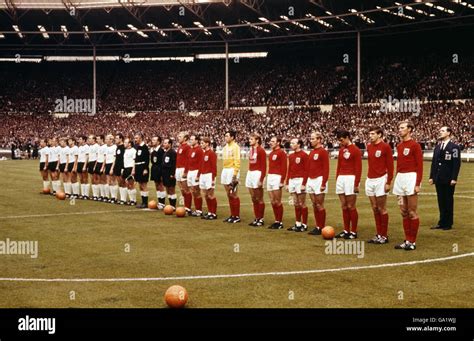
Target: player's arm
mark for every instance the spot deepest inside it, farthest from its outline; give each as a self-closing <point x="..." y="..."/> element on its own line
<point x="419" y="166"/>
<point x="456" y="155"/>
<point x="86" y="162"/>
<point x="74" y="168"/>
<point x="306" y="170"/>
<point x="46" y="162"/>
<point x="358" y="168"/>
<point x="147" y="161"/>
<point x="390" y="167"/>
<point x="339" y="158"/>
<point x="236" y="159"/>
<point x="325" y="169"/>
<point x="214" y="166"/>
<point x="173" y="157"/>
<point x="283" y="168"/>
<point x="434" y="162"/>
<point x="102" y="169"/>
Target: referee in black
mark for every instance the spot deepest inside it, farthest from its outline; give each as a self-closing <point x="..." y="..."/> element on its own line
<point x="156" y="158"/>
<point x="168" y="168"/>
<point x="445" y="167"/>
<point x="142" y="162"/>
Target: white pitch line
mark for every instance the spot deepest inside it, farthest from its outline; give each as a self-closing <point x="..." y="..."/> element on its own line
<point x="255" y="274"/>
<point x="65" y="214"/>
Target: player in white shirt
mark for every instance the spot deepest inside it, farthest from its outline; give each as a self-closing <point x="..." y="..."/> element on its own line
<point x="82" y="161"/>
<point x="100" y="168"/>
<point x="73" y="185"/>
<point x="111" y="185"/>
<point x="53" y="164"/>
<point x="43" y="167"/>
<point x="63" y="164"/>
<point x="93" y="151"/>
<point x="128" y="173"/>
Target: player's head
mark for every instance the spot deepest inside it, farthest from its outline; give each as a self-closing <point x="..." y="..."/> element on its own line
<point x="194" y="140"/>
<point x="183" y="137"/>
<point x="405" y="128"/>
<point x="155" y="141"/>
<point x="230" y="136"/>
<point x="344" y="137"/>
<point x="275" y="142"/>
<point x="315" y="139"/>
<point x="110" y="139"/>
<point x="205" y="143"/>
<point x="62" y="142"/>
<point x="167" y="143"/>
<point x="81" y="140"/>
<point x="42" y="143"/>
<point x="119" y="138"/>
<point x="91" y="139"/>
<point x="445" y="133"/>
<point x="71" y="142"/>
<point x="127" y="143"/>
<point x="255" y="139"/>
<point x="375" y="134"/>
<point x="100" y="139"/>
<point x="296" y="144"/>
<point x="138" y="138"/>
<point x="53" y="142"/>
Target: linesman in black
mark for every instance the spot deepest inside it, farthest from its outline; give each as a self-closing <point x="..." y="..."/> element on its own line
<point x="168" y="170"/>
<point x="156" y="158"/>
<point x="142" y="162"/>
<point x="445" y="167"/>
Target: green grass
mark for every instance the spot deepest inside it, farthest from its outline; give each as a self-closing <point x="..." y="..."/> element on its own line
<point x="92" y="246"/>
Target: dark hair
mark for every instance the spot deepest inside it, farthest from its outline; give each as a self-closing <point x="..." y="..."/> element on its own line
<point x="206" y="140"/>
<point x="158" y="137"/>
<point x="232" y="133"/>
<point x="120" y="135"/>
<point x="197" y="137"/>
<point x="102" y="137"/>
<point x="343" y="134"/>
<point x="83" y="138"/>
<point x="170" y="141"/>
<point x="376" y="129"/>
<point x="449" y="130"/>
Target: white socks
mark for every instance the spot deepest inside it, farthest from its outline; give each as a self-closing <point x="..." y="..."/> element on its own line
<point x="45" y="184"/>
<point x="75" y="188"/>
<point x="56" y="185"/>
<point x="123" y="194"/>
<point x="132" y="193"/>
<point x="113" y="191"/>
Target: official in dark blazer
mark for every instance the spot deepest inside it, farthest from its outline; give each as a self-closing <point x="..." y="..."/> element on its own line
<point x="445" y="167"/>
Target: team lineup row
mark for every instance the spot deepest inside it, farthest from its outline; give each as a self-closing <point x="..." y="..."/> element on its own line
<point x="115" y="164"/>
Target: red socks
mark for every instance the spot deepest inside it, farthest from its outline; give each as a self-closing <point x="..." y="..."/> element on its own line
<point x="354" y="219"/>
<point x="320" y="217"/>
<point x="383" y="224"/>
<point x="304" y="215"/>
<point x="278" y="212"/>
<point x="297" y="213"/>
<point x="414" y="225"/>
<point x="198" y="203"/>
<point x="378" y="221"/>
<point x="406" y="228"/>
<point x="188" y="199"/>
<point x="234" y="204"/>
<point x="211" y="205"/>
<point x="346" y="217"/>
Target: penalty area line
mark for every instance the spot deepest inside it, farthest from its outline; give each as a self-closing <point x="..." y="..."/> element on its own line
<point x="255" y="274"/>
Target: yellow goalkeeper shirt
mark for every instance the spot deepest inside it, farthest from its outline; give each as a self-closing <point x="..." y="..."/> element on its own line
<point x="231" y="157"/>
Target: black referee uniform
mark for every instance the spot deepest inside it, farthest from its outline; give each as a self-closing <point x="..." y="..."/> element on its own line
<point x="118" y="166"/>
<point x="142" y="162"/>
<point x="445" y="167"/>
<point x="168" y="170"/>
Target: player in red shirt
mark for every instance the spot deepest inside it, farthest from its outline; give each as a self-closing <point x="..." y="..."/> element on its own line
<point x="407" y="183"/>
<point x="318" y="174"/>
<point x="296" y="184"/>
<point x="194" y="164"/>
<point x="379" y="178"/>
<point x="349" y="171"/>
<point x="207" y="178"/>
<point x="255" y="176"/>
<point x="277" y="168"/>
<point x="182" y="159"/>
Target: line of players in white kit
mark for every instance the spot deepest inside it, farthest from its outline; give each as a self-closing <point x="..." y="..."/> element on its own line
<point x="115" y="164"/>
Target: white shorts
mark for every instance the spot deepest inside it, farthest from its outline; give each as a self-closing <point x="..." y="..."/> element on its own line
<point x="273" y="182"/>
<point x="178" y="174"/>
<point x="252" y="179"/>
<point x="345" y="185"/>
<point x="205" y="181"/>
<point x="191" y="179"/>
<point x="376" y="187"/>
<point x="404" y="184"/>
<point x="227" y="175"/>
<point x="294" y="185"/>
<point x="313" y="186"/>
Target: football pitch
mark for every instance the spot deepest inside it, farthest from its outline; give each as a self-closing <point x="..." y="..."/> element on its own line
<point x="93" y="254"/>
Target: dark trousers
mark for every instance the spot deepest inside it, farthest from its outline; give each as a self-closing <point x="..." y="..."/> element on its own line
<point x="445" y="193"/>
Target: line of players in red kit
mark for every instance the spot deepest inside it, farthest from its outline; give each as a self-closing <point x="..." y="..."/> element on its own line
<point x="301" y="174"/>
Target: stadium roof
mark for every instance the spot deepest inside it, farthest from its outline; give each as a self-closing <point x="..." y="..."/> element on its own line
<point x="69" y="25"/>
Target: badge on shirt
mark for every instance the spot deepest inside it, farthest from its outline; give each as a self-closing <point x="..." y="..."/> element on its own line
<point x="298" y="160"/>
<point x="155" y="159"/>
<point x="206" y="158"/>
<point x="180" y="151"/>
<point x="346" y="155"/>
<point x="139" y="153"/>
<point x="378" y="153"/>
<point x="118" y="152"/>
<point x="447" y="156"/>
<point x="167" y="159"/>
<point x="315" y="157"/>
<point x="274" y="157"/>
<point x="193" y="153"/>
<point x="406" y="151"/>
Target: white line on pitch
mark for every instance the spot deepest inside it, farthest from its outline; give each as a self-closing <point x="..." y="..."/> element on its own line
<point x="255" y="274"/>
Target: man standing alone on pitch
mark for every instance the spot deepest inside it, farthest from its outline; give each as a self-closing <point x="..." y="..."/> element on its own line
<point x="444" y="172"/>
